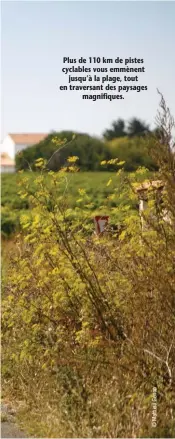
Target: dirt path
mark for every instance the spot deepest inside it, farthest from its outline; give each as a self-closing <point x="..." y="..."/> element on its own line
<point x="9" y="428"/>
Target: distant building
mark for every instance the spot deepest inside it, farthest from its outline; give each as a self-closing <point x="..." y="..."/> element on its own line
<point x="14" y="143"/>
<point x="7" y="164"/>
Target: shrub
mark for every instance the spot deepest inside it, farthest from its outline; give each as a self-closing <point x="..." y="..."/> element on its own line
<point x="91" y="321"/>
<point x="90" y="151"/>
<point x="133" y="151"/>
<point x="9" y="221"/>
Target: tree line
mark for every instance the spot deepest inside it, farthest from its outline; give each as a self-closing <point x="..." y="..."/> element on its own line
<point x="126" y="142"/>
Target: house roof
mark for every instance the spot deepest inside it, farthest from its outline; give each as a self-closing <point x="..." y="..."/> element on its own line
<point x="157" y="184"/>
<point x="28" y="138"/>
<point x="6" y="160"/>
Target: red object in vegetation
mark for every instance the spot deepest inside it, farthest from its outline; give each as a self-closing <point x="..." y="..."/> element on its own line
<point x="100" y="223"/>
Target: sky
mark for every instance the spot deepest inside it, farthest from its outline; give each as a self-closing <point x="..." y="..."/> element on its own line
<point x="37" y="35"/>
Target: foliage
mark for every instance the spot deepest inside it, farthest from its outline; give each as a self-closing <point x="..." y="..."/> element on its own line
<point x="94" y="183"/>
<point x="57" y="147"/>
<point x="89" y="150"/>
<point x="9" y="222"/>
<point x="136" y="128"/>
<point x="117" y="130"/>
<point x="133" y="152"/>
<point x="88" y="324"/>
<point x="9" y="192"/>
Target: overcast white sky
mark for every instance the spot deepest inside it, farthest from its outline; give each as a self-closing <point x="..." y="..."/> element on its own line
<point x="37" y="35"/>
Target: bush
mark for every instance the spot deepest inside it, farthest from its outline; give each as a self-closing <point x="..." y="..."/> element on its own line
<point x="93" y="183"/>
<point x="89" y="150"/>
<point x="88" y="323"/>
<point x="133" y="151"/>
<point x="9" y="222"/>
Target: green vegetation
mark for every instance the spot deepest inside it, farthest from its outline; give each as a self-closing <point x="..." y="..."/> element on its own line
<point x="133" y="151"/>
<point x="88" y="324"/>
<point x="91" y="151"/>
<point x="11" y="205"/>
<point x="135" y="128"/>
<point x="94" y="183"/>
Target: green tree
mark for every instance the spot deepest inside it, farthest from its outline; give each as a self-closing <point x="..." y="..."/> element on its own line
<point x="133" y="151"/>
<point x="117" y="130"/>
<point x="89" y="150"/>
<point x="137" y="128"/>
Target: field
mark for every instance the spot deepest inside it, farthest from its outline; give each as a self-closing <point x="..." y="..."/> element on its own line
<point x="94" y="183"/>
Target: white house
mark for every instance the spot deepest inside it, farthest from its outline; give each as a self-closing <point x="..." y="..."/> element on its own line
<point x="7" y="164"/>
<point x="14" y="143"/>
